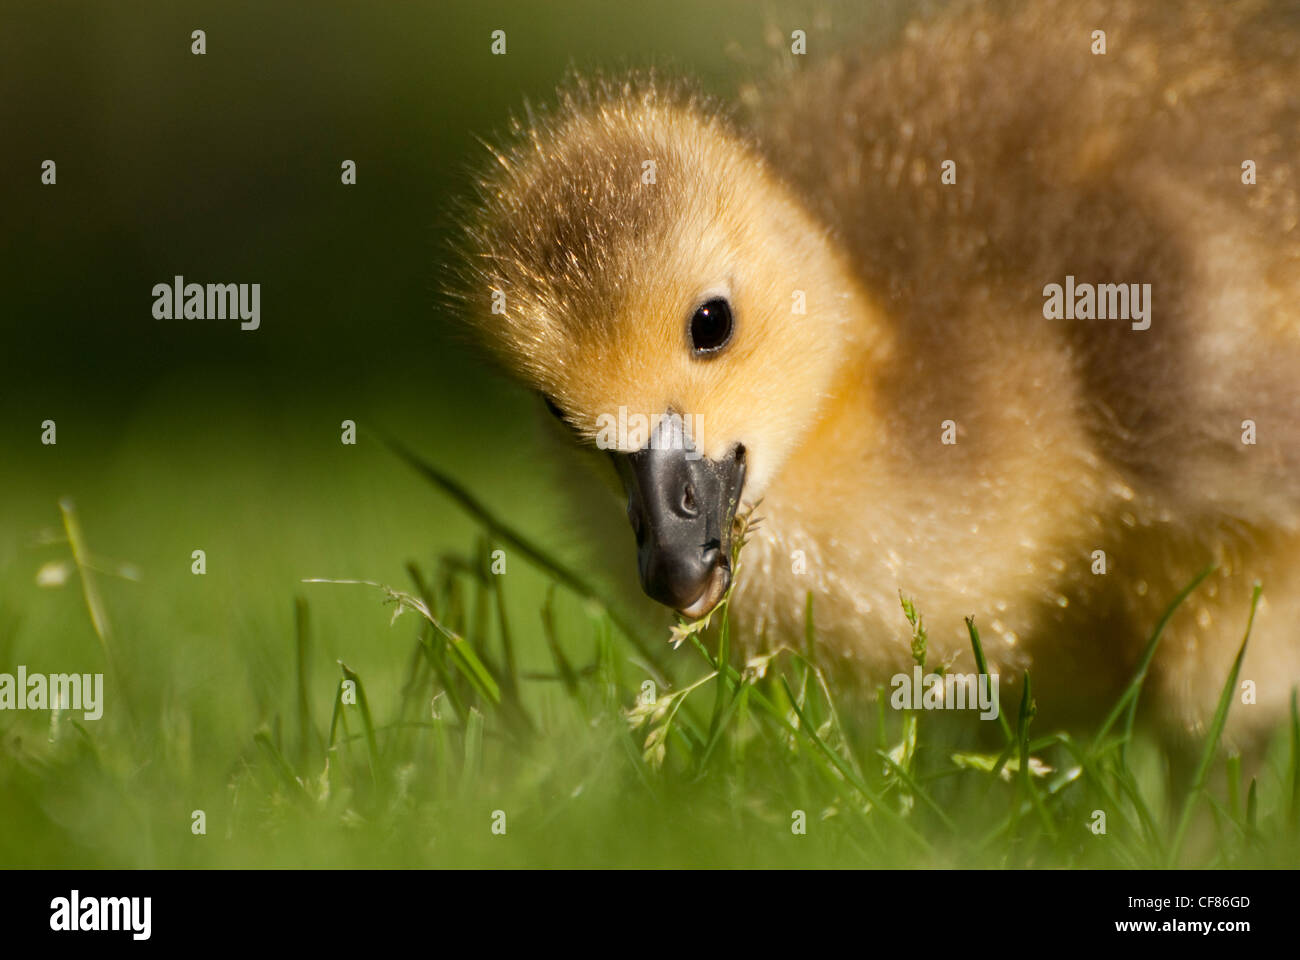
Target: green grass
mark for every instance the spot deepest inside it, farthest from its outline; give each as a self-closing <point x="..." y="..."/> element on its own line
<point x="397" y="718"/>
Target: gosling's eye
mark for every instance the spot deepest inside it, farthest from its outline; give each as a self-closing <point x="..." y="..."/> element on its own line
<point x="711" y="327"/>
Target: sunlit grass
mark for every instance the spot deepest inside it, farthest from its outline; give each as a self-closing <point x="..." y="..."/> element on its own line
<point x="560" y="737"/>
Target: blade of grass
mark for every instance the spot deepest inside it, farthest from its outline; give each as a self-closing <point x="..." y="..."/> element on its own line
<point x="1127" y="703"/>
<point x="847" y="773"/>
<point x="731" y="709"/>
<point x="724" y="657"/>
<point x="434" y="652"/>
<point x="918" y="791"/>
<point x="535" y="554"/>
<point x="982" y="665"/>
<point x="510" y="673"/>
<point x="418" y="679"/>
<point x="462" y="652"/>
<point x="282" y="768"/>
<point x="81" y="556"/>
<point x="367" y="722"/>
<point x="1028" y="709"/>
<point x="307" y="734"/>
<point x="473" y="763"/>
<point x="567" y="675"/>
<point x="1215" y="733"/>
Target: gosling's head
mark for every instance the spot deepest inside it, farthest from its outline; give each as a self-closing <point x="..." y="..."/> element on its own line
<point x="635" y="263"/>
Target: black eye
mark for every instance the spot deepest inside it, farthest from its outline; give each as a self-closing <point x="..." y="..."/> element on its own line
<point x="711" y="326"/>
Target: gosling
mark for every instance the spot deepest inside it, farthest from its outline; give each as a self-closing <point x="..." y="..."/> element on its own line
<point x="848" y="306"/>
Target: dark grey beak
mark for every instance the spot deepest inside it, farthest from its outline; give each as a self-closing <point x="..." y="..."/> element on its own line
<point x="681" y="505"/>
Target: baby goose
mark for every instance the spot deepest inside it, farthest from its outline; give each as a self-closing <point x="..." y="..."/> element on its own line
<point x="846" y="301"/>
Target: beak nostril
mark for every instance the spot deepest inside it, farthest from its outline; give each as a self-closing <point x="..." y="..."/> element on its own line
<point x="681" y="509"/>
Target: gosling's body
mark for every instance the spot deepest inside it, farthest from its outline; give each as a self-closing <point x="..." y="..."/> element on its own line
<point x="1073" y="436"/>
<point x="924" y="305"/>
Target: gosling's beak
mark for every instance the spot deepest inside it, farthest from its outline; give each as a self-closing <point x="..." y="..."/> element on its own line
<point x="681" y="505"/>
